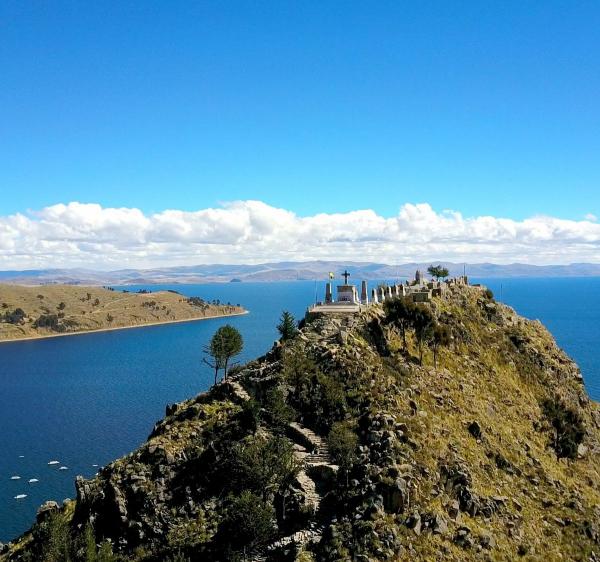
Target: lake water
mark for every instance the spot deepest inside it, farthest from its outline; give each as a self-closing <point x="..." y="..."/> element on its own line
<point x="86" y="400"/>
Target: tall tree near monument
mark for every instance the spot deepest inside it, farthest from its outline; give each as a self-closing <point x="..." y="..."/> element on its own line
<point x="423" y="323"/>
<point x="226" y="343"/>
<point x="438" y="271"/>
<point x="440" y="337"/>
<point x="287" y="326"/>
<point x="399" y="312"/>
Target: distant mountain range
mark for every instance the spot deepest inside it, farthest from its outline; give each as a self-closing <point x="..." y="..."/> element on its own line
<point x="286" y="271"/>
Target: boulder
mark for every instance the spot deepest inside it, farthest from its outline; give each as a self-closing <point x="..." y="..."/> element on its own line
<point x="395" y="495"/>
<point x="439" y="525"/>
<point x="454" y="510"/>
<point x="463" y="537"/>
<point x="45" y="510"/>
<point x="414" y="522"/>
<point x="475" y="430"/>
<point x="487" y="540"/>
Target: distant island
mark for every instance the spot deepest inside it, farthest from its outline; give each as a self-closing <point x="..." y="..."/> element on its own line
<point x="287" y="271"/>
<point x="53" y="310"/>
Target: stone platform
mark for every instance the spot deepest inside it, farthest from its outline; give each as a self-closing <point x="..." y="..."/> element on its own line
<point x="336" y="308"/>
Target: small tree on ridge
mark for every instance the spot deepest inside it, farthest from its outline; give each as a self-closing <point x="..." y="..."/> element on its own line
<point x="438" y="271"/>
<point x="287" y="326"/>
<point x="440" y="337"/>
<point x="226" y="343"/>
<point x="399" y="312"/>
<point x="423" y="323"/>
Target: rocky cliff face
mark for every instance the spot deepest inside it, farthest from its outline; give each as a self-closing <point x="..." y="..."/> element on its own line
<point x="339" y="445"/>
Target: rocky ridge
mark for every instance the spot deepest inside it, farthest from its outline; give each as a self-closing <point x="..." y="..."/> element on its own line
<point x="362" y="453"/>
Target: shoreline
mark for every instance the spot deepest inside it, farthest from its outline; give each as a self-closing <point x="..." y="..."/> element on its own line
<point x="146" y="325"/>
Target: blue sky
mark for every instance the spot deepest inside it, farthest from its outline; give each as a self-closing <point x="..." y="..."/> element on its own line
<point x="485" y="108"/>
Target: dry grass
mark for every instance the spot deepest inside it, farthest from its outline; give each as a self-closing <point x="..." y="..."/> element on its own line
<point x="95" y="308"/>
<point x="480" y="382"/>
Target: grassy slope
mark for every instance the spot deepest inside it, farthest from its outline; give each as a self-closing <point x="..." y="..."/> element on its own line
<point x="126" y="309"/>
<point x="485" y="379"/>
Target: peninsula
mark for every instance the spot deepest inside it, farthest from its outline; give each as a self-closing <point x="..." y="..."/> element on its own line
<point x="364" y="435"/>
<point x="55" y="310"/>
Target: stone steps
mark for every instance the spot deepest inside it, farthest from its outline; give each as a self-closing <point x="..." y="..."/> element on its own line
<point x="308" y="485"/>
<point x="313" y="453"/>
<point x="308" y="438"/>
<point x="299" y="538"/>
<point x="238" y="391"/>
<point x="321" y="458"/>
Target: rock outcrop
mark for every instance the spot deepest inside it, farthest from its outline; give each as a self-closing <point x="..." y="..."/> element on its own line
<point x="339" y="445"/>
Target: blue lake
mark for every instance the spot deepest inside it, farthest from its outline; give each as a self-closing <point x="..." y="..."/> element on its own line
<point x="85" y="400"/>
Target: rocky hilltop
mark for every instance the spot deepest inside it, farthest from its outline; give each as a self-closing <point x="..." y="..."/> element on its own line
<point x="339" y="445"/>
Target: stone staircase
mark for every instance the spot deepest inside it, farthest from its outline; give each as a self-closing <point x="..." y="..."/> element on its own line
<point x="312" y="452"/>
<point x="315" y="445"/>
<point x="298" y="540"/>
<point x="309" y="487"/>
<point x="238" y="391"/>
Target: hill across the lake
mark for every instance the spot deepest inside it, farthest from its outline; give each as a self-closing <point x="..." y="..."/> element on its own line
<point x="54" y="310"/>
<point x="288" y="271"/>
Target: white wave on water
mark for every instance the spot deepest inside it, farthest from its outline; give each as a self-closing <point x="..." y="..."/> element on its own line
<point x="32" y="480"/>
<point x="53" y="462"/>
<point x="15" y="478"/>
<point x="20" y="496"/>
<point x="64" y="468"/>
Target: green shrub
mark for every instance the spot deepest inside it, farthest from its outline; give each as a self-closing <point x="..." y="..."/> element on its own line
<point x="321" y="397"/>
<point x="190" y="534"/>
<point x="50" y="321"/>
<point x="342" y="443"/>
<point x="567" y="425"/>
<point x="248" y="523"/>
<point x="287" y="326"/>
<point x="105" y="553"/>
<point x="264" y="465"/>
<point x="279" y="412"/>
<point x="89" y="544"/>
<point x="250" y="415"/>
<point x="15" y="317"/>
<point x="54" y="536"/>
<point x="399" y="312"/>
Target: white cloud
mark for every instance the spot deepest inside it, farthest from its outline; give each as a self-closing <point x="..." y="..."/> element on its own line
<point x="88" y="235"/>
<point x="590" y="217"/>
